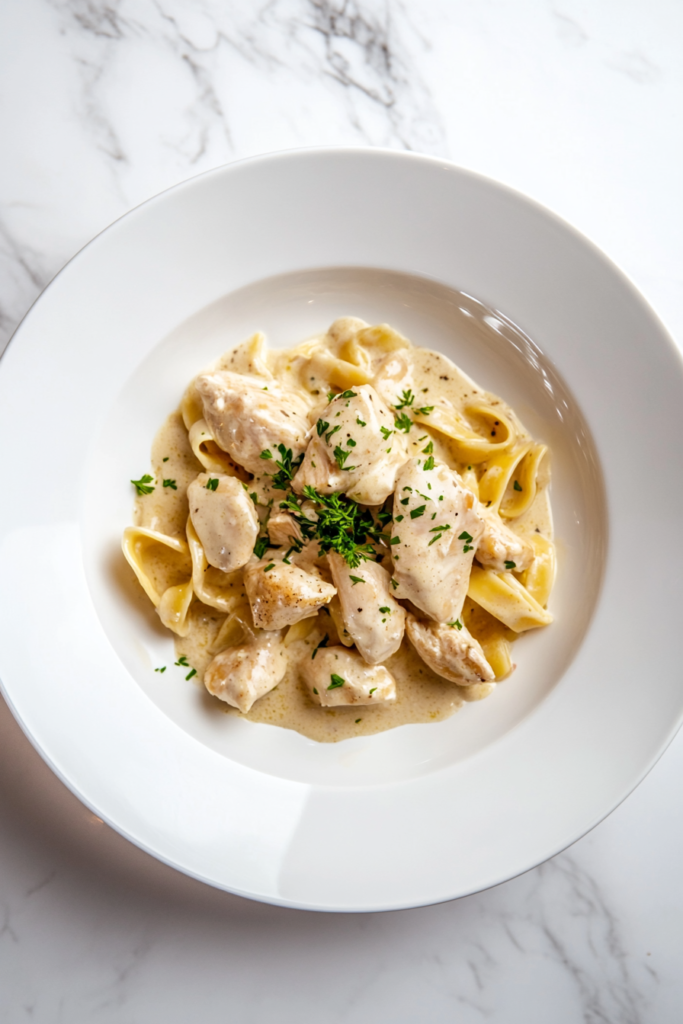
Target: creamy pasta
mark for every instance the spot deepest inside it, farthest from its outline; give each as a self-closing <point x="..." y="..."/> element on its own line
<point x="344" y="536"/>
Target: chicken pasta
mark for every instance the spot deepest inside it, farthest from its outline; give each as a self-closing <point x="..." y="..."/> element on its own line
<point x="344" y="536"/>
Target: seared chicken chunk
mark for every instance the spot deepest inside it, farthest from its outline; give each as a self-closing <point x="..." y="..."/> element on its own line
<point x="283" y="529"/>
<point x="435" y="535"/>
<point x="282" y="594"/>
<point x="337" y="676"/>
<point x="499" y="546"/>
<point x="355" y="449"/>
<point x="240" y="675"/>
<point x="393" y="376"/>
<point x="247" y="417"/>
<point x="372" y="618"/>
<point x="450" y="651"/>
<point x="224" y="518"/>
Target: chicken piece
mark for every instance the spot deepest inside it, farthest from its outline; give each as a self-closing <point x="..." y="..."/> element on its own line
<point x="283" y="529"/>
<point x="355" y="449"/>
<point x="393" y="376"/>
<point x="337" y="676"/>
<point x="224" y="518"/>
<point x="372" y="617"/>
<point x="282" y="594"/>
<point x="240" y="675"/>
<point x="450" y="651"/>
<point x="247" y="417"/>
<point x="435" y="534"/>
<point x="500" y="546"/>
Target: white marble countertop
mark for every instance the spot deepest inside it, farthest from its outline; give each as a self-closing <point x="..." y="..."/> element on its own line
<point x="103" y="103"/>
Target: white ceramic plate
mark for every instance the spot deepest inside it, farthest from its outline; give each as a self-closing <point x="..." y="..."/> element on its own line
<point x="285" y="244"/>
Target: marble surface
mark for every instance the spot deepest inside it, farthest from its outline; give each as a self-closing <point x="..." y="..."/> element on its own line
<point x="103" y="104"/>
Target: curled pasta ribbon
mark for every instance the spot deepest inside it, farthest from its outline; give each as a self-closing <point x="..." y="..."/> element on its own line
<point x="221" y="590"/>
<point x="504" y="597"/>
<point x="351" y="352"/>
<point x="493" y="636"/>
<point x="340" y="372"/>
<point x="540" y="576"/>
<point x="191" y="407"/>
<point x="173" y="602"/>
<point x="468" y="445"/>
<point x="212" y="458"/>
<point x="299" y="631"/>
<point x="510" y="482"/>
<point x="469" y="480"/>
<point x="237" y="628"/>
<point x="382" y="336"/>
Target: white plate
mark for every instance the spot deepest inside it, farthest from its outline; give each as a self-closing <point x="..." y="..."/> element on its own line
<point x="285" y="244"/>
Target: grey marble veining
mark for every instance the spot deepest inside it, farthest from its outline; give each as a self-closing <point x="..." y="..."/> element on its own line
<point x="103" y="105"/>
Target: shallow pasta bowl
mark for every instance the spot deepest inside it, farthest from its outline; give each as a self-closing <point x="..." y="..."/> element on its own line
<point x="284" y="244"/>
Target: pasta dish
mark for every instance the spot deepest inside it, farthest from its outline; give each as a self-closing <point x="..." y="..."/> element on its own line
<point x="344" y="536"/>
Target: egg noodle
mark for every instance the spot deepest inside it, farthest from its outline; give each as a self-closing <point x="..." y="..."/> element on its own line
<point x="344" y="536"/>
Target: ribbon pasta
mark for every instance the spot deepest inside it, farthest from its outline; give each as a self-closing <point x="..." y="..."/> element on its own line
<point x="509" y="483"/>
<point x="469" y="446"/>
<point x="149" y="555"/>
<point x="503" y="596"/>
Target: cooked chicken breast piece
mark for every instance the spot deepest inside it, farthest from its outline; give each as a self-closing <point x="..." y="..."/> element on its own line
<point x="372" y="617"/>
<point x="393" y="376"/>
<point x="435" y="534"/>
<point x="499" y="545"/>
<point x="355" y="448"/>
<point x="240" y="675"/>
<point x="283" y="529"/>
<point x="449" y="651"/>
<point x="337" y="676"/>
<point x="282" y="594"/>
<point x="246" y="416"/>
<point x="224" y="518"/>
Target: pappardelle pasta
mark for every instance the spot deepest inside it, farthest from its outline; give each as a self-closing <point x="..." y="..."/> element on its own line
<point x="344" y="536"/>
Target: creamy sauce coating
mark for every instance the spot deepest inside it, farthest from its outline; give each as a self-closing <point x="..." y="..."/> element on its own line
<point x="422" y="696"/>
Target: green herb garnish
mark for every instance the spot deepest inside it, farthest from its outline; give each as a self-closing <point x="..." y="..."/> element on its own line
<point x="142" y="485"/>
<point x="356" y="579"/>
<point x="323" y="643"/>
<point x="455" y="625"/>
<point x="415" y="513"/>
<point x="403" y="422"/>
<point x="269" y="567"/>
<point x="429" y="463"/>
<point x="517" y="486"/>
<point x="212" y="483"/>
<point x="407" y="398"/>
<point x="510" y="565"/>
<point x="337" y="681"/>
<point x="321" y="426"/>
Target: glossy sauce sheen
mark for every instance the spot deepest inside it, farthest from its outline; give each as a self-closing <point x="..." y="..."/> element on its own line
<point x="422" y="696"/>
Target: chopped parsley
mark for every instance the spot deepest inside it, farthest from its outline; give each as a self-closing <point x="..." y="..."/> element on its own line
<point x="385" y="610"/>
<point x="331" y="432"/>
<point x="438" y="530"/>
<point x="266" y="454"/>
<point x="165" y="458"/>
<point x="429" y="463"/>
<point x="386" y="433"/>
<point x="455" y="625"/>
<point x="425" y="410"/>
<point x="407" y="398"/>
<point x="315" y="691"/>
<point x="394" y="583"/>
<point x="212" y="483"/>
<point x="517" y="485"/>
<point x="428" y="448"/>
<point x="162" y="669"/>
<point x="253" y="495"/>
<point x="321" y="426"/>
<point x="172" y="484"/>
<point x="372" y="690"/>
<point x="415" y="513"/>
<point x="340" y="457"/>
<point x="404" y="501"/>
<point x="350" y="443"/>
<point x="403" y="422"/>
<point x="323" y="643"/>
<point x="465" y="536"/>
<point x="395" y="540"/>
<point x="192" y="672"/>
<point x="336" y="682"/>
<point x="360" y="422"/>
<point x="261" y="546"/>
<point x="399" y="519"/>
<point x="342" y="526"/>
<point x="142" y="485"/>
<point x="182" y="660"/>
<point x="356" y="579"/>
<point x="269" y="567"/>
<point x="358" y="720"/>
<point x="510" y="565"/>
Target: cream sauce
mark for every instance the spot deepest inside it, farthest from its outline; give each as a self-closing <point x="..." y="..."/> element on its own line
<point x="422" y="696"/>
